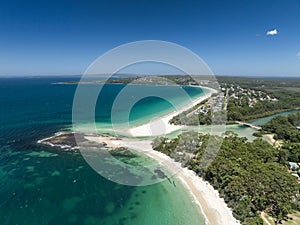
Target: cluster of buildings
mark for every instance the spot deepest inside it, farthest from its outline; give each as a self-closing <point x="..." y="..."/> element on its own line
<point x="295" y="167"/>
<point x="246" y="95"/>
<point x="215" y="103"/>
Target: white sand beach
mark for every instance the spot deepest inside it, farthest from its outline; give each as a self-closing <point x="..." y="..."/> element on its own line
<point x="272" y="141"/>
<point x="161" y="126"/>
<point x="202" y="193"/>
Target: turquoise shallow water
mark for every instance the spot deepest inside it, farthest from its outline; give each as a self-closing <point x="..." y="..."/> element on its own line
<point x="41" y="185"/>
<point x="129" y="105"/>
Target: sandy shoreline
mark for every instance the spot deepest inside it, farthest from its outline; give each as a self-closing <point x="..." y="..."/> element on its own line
<point x="210" y="205"/>
<point x="203" y="195"/>
<point x="270" y="139"/>
<point x="161" y="126"/>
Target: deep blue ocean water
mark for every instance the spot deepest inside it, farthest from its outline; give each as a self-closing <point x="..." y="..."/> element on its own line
<point x="44" y="185"/>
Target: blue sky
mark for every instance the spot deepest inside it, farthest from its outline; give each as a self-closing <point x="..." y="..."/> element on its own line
<point x="64" y="36"/>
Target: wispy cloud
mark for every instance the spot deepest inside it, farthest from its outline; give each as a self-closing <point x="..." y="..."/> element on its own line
<point x="298" y="55"/>
<point x="272" y="32"/>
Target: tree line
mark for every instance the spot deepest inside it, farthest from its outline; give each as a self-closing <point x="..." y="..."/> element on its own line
<point x="248" y="175"/>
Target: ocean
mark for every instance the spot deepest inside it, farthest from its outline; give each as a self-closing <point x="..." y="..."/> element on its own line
<point x="45" y="185"/>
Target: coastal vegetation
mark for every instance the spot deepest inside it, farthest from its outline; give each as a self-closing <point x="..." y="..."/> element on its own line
<point x="260" y="97"/>
<point x="248" y="175"/>
<point x="286" y="129"/>
<point x="245" y="99"/>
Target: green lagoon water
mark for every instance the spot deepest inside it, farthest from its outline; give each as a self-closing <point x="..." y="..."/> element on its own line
<point x="261" y="121"/>
<point x="241" y="130"/>
<point x="44" y="185"/>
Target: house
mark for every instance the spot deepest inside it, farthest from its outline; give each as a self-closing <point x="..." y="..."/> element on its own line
<point x="296" y="175"/>
<point x="293" y="166"/>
